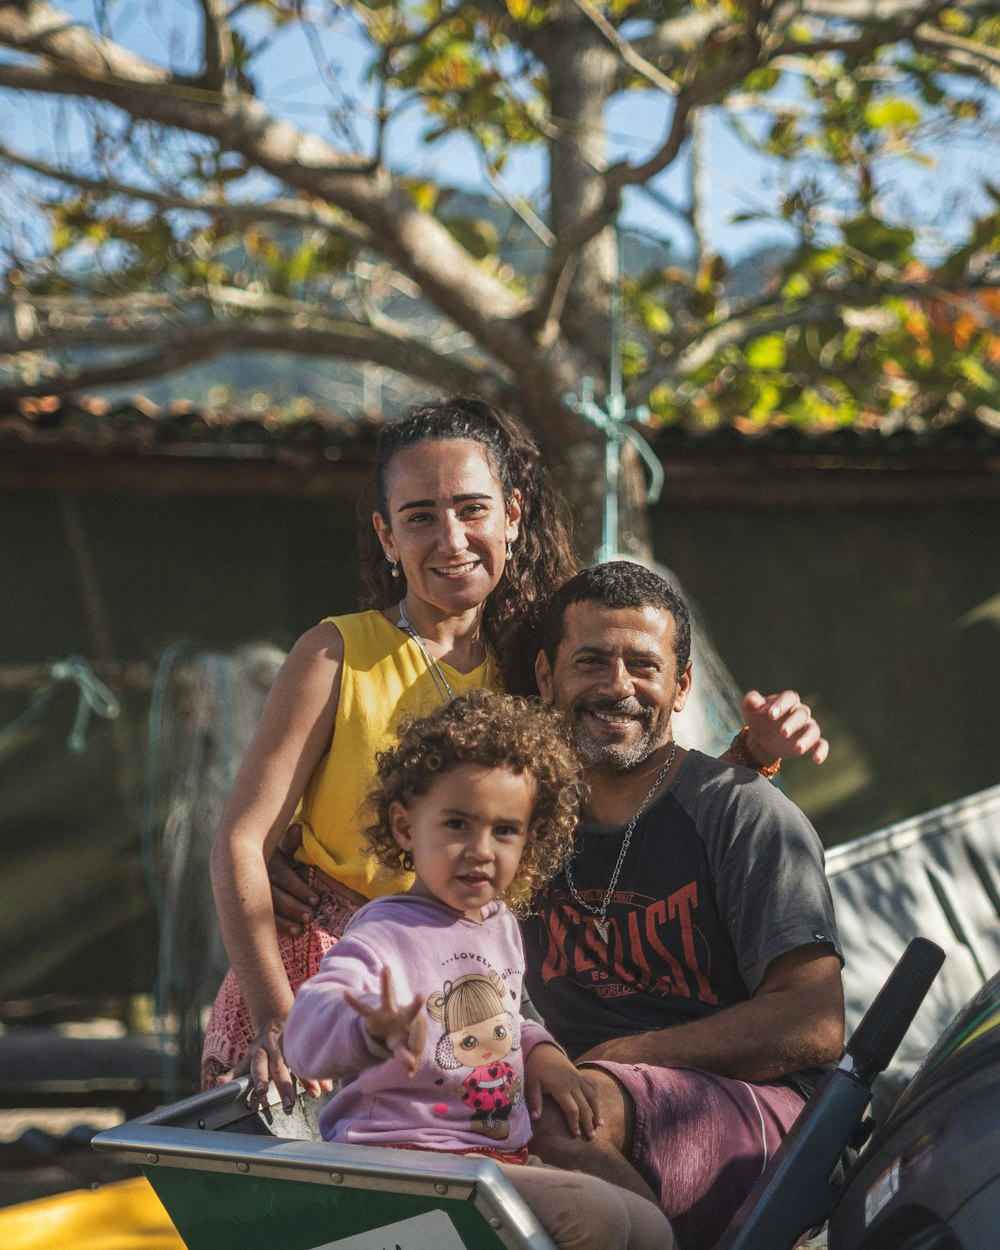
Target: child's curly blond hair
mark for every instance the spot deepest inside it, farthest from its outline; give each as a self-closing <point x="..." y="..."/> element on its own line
<point x="491" y="731"/>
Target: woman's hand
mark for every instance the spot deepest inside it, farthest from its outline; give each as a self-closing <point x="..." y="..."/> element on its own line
<point x="400" y="1030"/>
<point x="547" y="1071"/>
<point x="265" y="1062"/>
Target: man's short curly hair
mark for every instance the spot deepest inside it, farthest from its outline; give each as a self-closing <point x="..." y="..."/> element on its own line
<point x="491" y="731"/>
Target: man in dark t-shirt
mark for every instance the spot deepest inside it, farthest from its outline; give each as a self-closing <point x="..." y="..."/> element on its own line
<point x="688" y="955"/>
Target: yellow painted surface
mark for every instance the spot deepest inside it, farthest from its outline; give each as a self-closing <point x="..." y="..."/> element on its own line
<point x="126" y="1215"/>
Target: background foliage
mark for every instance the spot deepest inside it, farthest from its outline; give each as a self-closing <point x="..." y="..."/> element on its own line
<point x="166" y="204"/>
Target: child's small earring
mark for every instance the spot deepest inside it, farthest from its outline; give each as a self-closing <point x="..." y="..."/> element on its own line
<point x="406" y="861"/>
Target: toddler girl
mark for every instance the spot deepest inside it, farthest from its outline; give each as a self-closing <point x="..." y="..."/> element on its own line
<point x="416" y="1009"/>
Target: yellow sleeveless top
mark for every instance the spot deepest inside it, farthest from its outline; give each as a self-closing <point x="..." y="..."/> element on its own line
<point x="384" y="677"/>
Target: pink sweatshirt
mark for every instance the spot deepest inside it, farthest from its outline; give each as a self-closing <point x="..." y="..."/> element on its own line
<point x="467" y="1092"/>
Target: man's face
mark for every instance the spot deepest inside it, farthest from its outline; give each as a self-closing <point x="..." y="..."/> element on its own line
<point x="615" y="678"/>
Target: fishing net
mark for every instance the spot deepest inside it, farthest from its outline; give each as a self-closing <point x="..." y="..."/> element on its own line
<point x="203" y="711"/>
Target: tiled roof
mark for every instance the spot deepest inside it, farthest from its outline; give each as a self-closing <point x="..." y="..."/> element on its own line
<point x="967" y="437"/>
<point x="138" y="427"/>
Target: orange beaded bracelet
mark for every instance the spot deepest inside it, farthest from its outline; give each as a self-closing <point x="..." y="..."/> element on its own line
<point x="741" y="754"/>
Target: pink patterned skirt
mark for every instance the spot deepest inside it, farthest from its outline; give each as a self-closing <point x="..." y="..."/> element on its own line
<point x="229" y="1032"/>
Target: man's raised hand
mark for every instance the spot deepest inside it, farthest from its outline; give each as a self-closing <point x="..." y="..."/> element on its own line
<point x="782" y="726"/>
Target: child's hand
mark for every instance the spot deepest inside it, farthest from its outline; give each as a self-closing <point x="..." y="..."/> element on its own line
<point x="548" y="1071"/>
<point x="401" y="1030"/>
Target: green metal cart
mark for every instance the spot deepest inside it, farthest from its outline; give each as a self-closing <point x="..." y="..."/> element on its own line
<point x="231" y="1180"/>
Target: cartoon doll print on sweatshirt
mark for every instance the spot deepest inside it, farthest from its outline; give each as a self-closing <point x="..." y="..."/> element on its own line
<point x="479" y="1033"/>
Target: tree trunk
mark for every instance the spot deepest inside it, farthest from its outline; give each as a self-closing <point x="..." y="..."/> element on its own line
<point x="582" y="69"/>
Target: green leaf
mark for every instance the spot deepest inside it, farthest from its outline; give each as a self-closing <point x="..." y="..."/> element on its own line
<point x="974" y="372"/>
<point x="763" y="79"/>
<point x="767" y="352"/>
<point x="301" y="263"/>
<point x="892" y="114"/>
<point x="479" y="238"/>
<point x="657" y="318"/>
<point x="796" y="286"/>
<point x="879" y="240"/>
<point x="424" y="194"/>
<point x="766" y="403"/>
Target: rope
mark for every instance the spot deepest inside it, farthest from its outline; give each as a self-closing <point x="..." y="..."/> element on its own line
<point x="94" y="697"/>
<point x="611" y="420"/>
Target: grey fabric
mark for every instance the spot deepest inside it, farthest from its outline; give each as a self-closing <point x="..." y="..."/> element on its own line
<point x="936" y="876"/>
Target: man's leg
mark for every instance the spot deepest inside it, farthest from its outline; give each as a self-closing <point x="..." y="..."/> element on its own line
<point x="608" y="1153"/>
<point x="700" y="1141"/>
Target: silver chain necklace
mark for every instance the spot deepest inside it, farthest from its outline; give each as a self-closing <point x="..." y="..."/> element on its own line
<point x="444" y="686"/>
<point x="601" y="912"/>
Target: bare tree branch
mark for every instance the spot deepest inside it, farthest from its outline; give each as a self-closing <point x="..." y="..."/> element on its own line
<point x="871" y="36"/>
<point x="753" y="46"/>
<point x="218" y="46"/>
<point x="674" y="39"/>
<point x="960" y="54"/>
<point x="633" y="59"/>
<point x="178" y="348"/>
<point x="415" y="241"/>
<point x="186" y="303"/>
<point x="755" y="319"/>
<point x="282" y="212"/>
<point x="885" y="11"/>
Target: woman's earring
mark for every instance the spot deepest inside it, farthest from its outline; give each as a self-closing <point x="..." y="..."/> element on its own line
<point x="510" y="551"/>
<point x="393" y="564"/>
<point x="406" y="861"/>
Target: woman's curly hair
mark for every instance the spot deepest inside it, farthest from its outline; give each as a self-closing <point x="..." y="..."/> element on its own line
<point x="491" y="731"/>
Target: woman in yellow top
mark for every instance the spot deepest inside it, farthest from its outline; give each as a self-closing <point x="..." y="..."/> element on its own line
<point x="467" y="535"/>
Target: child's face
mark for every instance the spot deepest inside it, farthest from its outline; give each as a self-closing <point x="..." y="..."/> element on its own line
<point x="466" y="834"/>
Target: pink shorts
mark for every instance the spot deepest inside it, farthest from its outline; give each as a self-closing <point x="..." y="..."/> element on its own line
<point x="701" y="1141"/>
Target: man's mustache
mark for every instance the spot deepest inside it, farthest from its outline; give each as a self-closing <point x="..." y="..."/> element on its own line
<point x="614" y="707"/>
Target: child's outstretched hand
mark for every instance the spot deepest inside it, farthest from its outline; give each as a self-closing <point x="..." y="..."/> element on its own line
<point x="548" y="1071"/>
<point x="401" y="1030"/>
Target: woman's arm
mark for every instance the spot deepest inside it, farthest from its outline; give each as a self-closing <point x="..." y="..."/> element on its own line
<point x="294" y="732"/>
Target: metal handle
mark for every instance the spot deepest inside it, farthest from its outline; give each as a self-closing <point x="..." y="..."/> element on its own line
<point x="884" y="1024"/>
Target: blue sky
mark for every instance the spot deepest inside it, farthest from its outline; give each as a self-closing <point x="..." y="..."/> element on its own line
<point x="736" y="182"/>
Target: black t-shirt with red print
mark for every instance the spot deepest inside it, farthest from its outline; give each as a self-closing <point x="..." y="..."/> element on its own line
<point x="723" y="874"/>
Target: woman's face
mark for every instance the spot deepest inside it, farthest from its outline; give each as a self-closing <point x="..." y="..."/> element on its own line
<point x="447" y="523"/>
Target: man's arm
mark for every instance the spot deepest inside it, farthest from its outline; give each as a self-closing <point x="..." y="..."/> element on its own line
<point x="294" y="900"/>
<point x="794" y="1020"/>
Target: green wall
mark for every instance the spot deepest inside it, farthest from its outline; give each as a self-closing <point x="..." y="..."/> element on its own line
<point x="124" y="578"/>
<point x="887" y="619"/>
